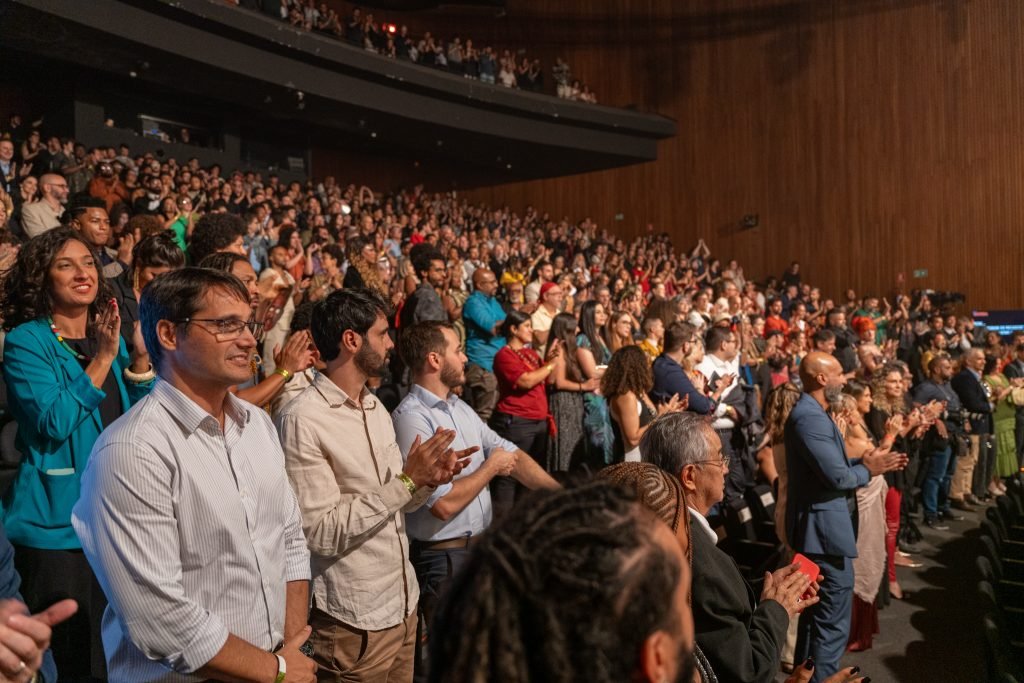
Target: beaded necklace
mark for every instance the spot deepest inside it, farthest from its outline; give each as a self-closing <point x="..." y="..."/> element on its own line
<point x="67" y="347"/>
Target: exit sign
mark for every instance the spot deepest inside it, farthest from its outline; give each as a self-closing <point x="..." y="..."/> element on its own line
<point x="921" y="272"/>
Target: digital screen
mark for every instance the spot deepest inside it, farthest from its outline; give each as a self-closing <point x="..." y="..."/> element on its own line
<point x="1003" y="322"/>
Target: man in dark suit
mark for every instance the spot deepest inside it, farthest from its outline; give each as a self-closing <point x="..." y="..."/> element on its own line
<point x="669" y="377"/>
<point x="967" y="385"/>
<point x="741" y="638"/>
<point x="1015" y="370"/>
<point x="821" y="509"/>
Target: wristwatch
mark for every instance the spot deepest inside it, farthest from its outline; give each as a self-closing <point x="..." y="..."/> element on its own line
<point x="409" y="483"/>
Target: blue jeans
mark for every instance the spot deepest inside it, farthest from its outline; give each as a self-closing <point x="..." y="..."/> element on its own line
<point x="824" y="629"/>
<point x="935" y="487"/>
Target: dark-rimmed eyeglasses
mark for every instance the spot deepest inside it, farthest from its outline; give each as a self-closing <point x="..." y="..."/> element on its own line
<point x="226" y="329"/>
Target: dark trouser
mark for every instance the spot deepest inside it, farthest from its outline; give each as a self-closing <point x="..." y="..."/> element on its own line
<point x="986" y="467"/>
<point x="484" y="389"/>
<point x="529" y="435"/>
<point x="937" y="477"/>
<point x="434" y="572"/>
<point x="48" y="576"/>
<point x="824" y="628"/>
<point x="1019" y="434"/>
<point x="736" y="481"/>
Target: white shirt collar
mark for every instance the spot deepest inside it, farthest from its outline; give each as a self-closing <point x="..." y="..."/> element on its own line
<point x="702" y="522"/>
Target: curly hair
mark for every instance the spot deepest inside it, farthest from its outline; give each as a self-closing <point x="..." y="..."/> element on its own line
<point x="26" y="286"/>
<point x="145" y="223"/>
<point x="777" y="407"/>
<point x="213" y="232"/>
<point x="880" y="399"/>
<point x="627" y="371"/>
<point x="566" y="588"/>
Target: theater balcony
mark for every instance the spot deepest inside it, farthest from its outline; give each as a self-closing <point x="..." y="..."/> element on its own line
<point x="265" y="70"/>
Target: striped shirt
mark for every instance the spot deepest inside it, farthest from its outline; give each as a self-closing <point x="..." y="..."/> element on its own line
<point x="193" y="532"/>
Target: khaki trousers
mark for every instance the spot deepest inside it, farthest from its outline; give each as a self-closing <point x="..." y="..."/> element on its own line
<point x="964" y="474"/>
<point x="485" y="390"/>
<point x="345" y="653"/>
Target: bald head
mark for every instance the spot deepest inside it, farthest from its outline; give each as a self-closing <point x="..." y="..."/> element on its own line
<point x="54" y="187"/>
<point x="484" y="281"/>
<point x="816" y="368"/>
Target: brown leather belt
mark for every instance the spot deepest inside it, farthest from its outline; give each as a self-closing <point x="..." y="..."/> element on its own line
<point x="447" y="544"/>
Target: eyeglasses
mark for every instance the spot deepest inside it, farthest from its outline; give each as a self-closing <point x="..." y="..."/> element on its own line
<point x="226" y="329"/>
<point x="723" y="463"/>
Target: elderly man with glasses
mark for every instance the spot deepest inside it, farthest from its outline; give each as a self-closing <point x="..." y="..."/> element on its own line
<point x="741" y="638"/>
<point x="45" y="214"/>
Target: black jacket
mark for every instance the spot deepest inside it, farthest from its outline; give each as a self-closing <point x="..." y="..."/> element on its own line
<point x="974" y="401"/>
<point x="741" y="639"/>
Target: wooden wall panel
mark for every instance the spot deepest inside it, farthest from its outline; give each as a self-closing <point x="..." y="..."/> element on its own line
<point x="873" y="137"/>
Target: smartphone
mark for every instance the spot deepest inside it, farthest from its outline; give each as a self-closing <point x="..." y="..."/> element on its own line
<point x="807" y="568"/>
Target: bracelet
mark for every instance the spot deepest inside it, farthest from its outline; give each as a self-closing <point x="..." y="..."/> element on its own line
<point x="409" y="483"/>
<point x="282" y="669"/>
<point x="139" y="377"/>
<point x="284" y="373"/>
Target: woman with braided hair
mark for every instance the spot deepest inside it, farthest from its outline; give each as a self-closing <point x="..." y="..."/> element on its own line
<point x="580" y="584"/>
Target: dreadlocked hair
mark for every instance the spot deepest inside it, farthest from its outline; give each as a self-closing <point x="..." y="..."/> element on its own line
<point x="658" y="491"/>
<point x="565" y="588"/>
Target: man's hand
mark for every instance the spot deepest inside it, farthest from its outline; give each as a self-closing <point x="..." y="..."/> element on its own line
<point x="301" y="669"/>
<point x="787" y="587"/>
<point x="880" y="461"/>
<point x="503" y="462"/>
<point x="124" y="249"/>
<point x="421" y="465"/>
<point x="24" y="638"/>
<point x="297" y="355"/>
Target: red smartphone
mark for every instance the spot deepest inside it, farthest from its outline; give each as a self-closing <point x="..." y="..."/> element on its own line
<point x="807" y="568"/>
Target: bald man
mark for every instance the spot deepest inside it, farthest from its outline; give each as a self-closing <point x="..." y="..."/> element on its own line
<point x="44" y="215"/>
<point x="483" y="316"/>
<point x="821" y="510"/>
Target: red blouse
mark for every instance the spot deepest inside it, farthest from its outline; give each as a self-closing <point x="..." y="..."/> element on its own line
<point x="509" y="366"/>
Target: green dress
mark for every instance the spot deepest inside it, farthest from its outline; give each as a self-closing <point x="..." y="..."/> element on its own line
<point x="1003" y="420"/>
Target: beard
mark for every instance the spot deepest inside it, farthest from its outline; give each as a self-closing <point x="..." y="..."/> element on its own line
<point x="452" y="376"/>
<point x="687" y="666"/>
<point x="369" y="362"/>
<point x="833" y="392"/>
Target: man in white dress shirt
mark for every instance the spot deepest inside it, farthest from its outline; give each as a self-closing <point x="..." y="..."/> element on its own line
<point x="721" y="367"/>
<point x="186" y="515"/>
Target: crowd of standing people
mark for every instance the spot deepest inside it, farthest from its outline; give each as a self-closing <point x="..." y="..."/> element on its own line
<point x="296" y="432"/>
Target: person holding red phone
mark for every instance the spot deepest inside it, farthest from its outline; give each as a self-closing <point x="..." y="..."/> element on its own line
<point x="821" y="506"/>
<point x="741" y="638"/>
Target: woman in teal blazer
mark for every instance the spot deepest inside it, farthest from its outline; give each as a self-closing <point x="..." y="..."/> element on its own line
<point x="68" y="376"/>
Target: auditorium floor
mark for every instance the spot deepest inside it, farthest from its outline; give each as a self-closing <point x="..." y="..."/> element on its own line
<point x="934" y="634"/>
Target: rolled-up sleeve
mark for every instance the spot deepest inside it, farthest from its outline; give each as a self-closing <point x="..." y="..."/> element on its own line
<point x="125" y="521"/>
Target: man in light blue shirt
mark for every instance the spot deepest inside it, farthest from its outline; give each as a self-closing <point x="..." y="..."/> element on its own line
<point x="442" y="530"/>
<point x="483" y="316"/>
